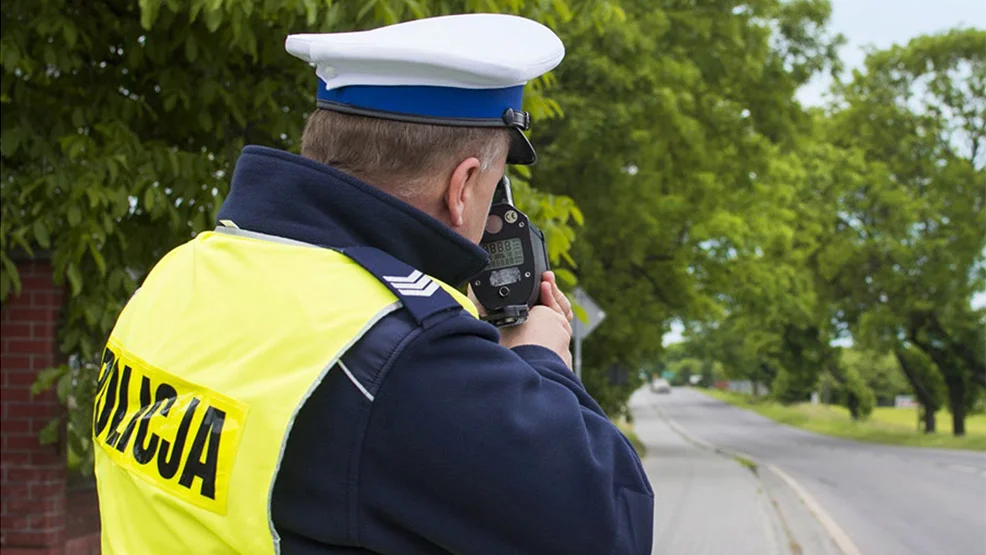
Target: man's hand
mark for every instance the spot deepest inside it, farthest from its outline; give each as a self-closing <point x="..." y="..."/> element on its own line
<point x="547" y="325"/>
<point x="552" y="297"/>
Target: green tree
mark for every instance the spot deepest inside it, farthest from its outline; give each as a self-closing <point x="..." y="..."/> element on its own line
<point x="880" y="371"/>
<point x="781" y="319"/>
<point x="917" y="114"/>
<point x="925" y="381"/>
<point x="672" y="115"/>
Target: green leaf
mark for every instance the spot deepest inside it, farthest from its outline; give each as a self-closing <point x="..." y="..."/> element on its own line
<point x="97" y="257"/>
<point x="41" y="234"/>
<point x="196" y="8"/>
<point x="74" y="278"/>
<point x="568" y="259"/>
<point x="191" y="49"/>
<point x="416" y="9"/>
<point x="115" y="281"/>
<point x="70" y="33"/>
<point x="20" y="238"/>
<point x="367" y="6"/>
<point x="213" y="19"/>
<point x="11" y="140"/>
<point x="561" y="7"/>
<point x="150" y="195"/>
<point x="580" y="312"/>
<point x="205" y="120"/>
<point x="46" y="379"/>
<point x="74" y="215"/>
<point x="64" y="386"/>
<point x="175" y="163"/>
<point x="198" y="222"/>
<point x="49" y="434"/>
<point x="91" y="313"/>
<point x="111" y="167"/>
<point x="148" y="12"/>
<point x="577" y="216"/>
<point x="567" y="277"/>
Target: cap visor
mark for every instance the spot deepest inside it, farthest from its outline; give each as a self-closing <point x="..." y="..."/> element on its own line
<point x="521" y="150"/>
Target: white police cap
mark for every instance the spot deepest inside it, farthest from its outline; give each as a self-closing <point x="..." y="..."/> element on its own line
<point x="463" y="70"/>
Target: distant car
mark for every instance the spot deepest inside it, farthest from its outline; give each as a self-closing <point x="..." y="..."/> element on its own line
<point x="660" y="385"/>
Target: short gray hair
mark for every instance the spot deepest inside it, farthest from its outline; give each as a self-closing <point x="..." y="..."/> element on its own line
<point x="397" y="156"/>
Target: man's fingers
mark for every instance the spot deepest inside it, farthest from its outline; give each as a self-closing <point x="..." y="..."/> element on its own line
<point x="548" y="297"/>
<point x="567" y="325"/>
<point x="564" y="303"/>
<point x="475" y="301"/>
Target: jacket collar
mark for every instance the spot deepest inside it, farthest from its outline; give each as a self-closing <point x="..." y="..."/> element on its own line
<point x="279" y="193"/>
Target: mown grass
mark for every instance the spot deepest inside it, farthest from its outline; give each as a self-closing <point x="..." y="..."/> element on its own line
<point x="885" y="425"/>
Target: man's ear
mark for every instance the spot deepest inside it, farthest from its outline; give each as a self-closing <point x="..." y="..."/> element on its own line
<point x="462" y="190"/>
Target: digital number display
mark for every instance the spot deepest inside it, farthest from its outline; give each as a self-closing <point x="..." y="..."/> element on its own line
<point x="509" y="252"/>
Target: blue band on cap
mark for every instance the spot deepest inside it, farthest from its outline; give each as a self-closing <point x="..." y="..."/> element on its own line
<point x="428" y="101"/>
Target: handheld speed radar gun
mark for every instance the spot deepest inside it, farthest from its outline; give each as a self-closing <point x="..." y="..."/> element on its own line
<point x="511" y="283"/>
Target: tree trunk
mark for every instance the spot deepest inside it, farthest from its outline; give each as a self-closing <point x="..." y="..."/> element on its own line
<point x="853" y="403"/>
<point x="952" y="368"/>
<point x="956" y="404"/>
<point x="954" y="383"/>
<point x="929" y="419"/>
<point x="964" y="352"/>
<point x="921" y="391"/>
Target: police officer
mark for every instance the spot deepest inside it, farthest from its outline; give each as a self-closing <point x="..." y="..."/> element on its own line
<point x="308" y="378"/>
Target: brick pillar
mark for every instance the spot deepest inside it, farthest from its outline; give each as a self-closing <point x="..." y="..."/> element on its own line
<point x="32" y="490"/>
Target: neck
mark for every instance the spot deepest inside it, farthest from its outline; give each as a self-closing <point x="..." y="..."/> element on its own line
<point x="278" y="193"/>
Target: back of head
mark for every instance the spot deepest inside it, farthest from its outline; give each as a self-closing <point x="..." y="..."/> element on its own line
<point x="402" y="158"/>
<point x="428" y="110"/>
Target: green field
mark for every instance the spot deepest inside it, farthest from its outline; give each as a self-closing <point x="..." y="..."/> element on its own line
<point x="885" y="425"/>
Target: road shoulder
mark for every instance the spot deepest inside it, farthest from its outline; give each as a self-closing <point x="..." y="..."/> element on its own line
<point x="804" y="525"/>
<point x="705" y="502"/>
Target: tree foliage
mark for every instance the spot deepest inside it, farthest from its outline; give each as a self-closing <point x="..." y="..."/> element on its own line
<point x="918" y="117"/>
<point x="672" y="115"/>
<point x="878" y="236"/>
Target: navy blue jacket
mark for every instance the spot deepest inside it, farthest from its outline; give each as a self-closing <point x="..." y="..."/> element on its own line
<point x="430" y="437"/>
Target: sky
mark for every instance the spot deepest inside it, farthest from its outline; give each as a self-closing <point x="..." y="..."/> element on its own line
<point x="881" y="23"/>
<point x="878" y="24"/>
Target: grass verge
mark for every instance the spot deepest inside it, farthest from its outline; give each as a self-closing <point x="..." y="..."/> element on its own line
<point x="627" y="430"/>
<point x="886" y="425"/>
<point x="750" y="465"/>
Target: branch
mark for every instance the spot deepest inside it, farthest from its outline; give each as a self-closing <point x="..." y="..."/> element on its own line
<point x="654" y="285"/>
<point x="959" y="348"/>
<point x="925" y="396"/>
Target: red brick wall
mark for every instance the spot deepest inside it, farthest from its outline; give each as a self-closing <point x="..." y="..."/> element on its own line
<point x="82" y="521"/>
<point x="32" y="476"/>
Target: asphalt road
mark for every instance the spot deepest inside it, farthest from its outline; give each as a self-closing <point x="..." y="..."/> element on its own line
<point x="888" y="500"/>
<point x="705" y="503"/>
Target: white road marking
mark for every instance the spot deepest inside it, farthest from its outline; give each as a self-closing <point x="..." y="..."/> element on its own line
<point x="838" y="535"/>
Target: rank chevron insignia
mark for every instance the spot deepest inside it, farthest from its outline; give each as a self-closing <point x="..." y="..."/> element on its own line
<point x="414" y="284"/>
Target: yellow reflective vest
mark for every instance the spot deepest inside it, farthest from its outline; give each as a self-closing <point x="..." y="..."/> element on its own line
<point x="202" y="377"/>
